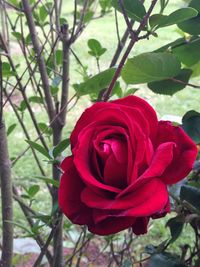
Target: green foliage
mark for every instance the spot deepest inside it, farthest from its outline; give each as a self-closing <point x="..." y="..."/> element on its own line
<point x="173" y="85"/>
<point x="95" y="84"/>
<point x="133" y="8"/>
<point x="150" y="67"/>
<point x="176" y="226"/>
<point x="11" y="128"/>
<point x="39" y="148"/>
<point x="177" y="16"/>
<point x="191" y="194"/>
<point x="191" y="125"/>
<point x="96" y="50"/>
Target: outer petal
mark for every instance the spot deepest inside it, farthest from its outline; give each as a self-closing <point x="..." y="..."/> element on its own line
<point x="184" y="153"/>
<point x="111" y="225"/>
<point x="145" y="200"/>
<point x="140" y="226"/>
<point x="69" y="192"/>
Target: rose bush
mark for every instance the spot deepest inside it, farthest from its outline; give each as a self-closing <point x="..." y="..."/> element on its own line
<point x="122" y="160"/>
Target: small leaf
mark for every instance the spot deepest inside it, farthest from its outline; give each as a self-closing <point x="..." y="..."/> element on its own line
<point x="191" y="26"/>
<point x="57" y="150"/>
<point x="39" y="148"/>
<point x="191" y="125"/>
<point x="131" y="91"/>
<point x="36" y="99"/>
<point x="48" y="180"/>
<point x="43" y="13"/>
<point x="177" y="16"/>
<point x="133" y="8"/>
<point x="6" y="70"/>
<point x="33" y="190"/>
<point x="96" y="48"/>
<point x="54" y="90"/>
<point x="44" y="128"/>
<point x="150" y="67"/>
<point x="176" y="226"/>
<point x="11" y="128"/>
<point x="169" y="86"/>
<point x="188" y="53"/>
<point x="59" y="56"/>
<point x="17" y="35"/>
<point x="22" y="106"/>
<point x="191" y="194"/>
<point x="96" y="83"/>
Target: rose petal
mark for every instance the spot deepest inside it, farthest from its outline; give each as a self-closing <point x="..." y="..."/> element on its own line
<point x="111" y="225"/>
<point x="144" y="108"/>
<point x="161" y="160"/>
<point x="69" y="193"/>
<point x="140" y="226"/>
<point x="151" y="194"/>
<point x="184" y="153"/>
<point x="115" y="174"/>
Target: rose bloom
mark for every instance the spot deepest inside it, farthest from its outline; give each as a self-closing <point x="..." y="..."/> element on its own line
<point x="122" y="161"/>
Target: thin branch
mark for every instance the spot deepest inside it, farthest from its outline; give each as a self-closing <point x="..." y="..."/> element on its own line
<point x="45" y="247"/>
<point x="133" y="41"/>
<point x="41" y="62"/>
<point x="74" y="20"/>
<point x="186" y="84"/>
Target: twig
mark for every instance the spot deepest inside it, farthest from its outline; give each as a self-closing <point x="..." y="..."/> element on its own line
<point x="186" y="84"/>
<point x="133" y="41"/>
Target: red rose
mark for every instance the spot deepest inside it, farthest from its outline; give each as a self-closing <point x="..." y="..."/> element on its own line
<point x="122" y="161"/>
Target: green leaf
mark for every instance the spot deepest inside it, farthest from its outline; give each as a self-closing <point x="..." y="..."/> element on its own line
<point x="17" y="35"/>
<point x="105" y="5"/>
<point x="57" y="150"/>
<point x="176" y="226"/>
<point x="195" y="4"/>
<point x="33" y="190"/>
<point x="48" y="180"/>
<point x="22" y="106"/>
<point x="6" y="70"/>
<point x="96" y="49"/>
<point x="155" y="19"/>
<point x="149" y="67"/>
<point x="88" y="16"/>
<point x="191" y="26"/>
<point x="43" y="13"/>
<point x="44" y="128"/>
<point x="21" y="226"/>
<point x="11" y="128"/>
<point x="165" y="260"/>
<point x="59" y="56"/>
<point x="177" y="16"/>
<point x="191" y="194"/>
<point x="39" y="148"/>
<point x="169" y="46"/>
<point x="14" y="2"/>
<point x="133" y="8"/>
<point x="36" y="99"/>
<point x="188" y="53"/>
<point x="191" y="125"/>
<point x="54" y="90"/>
<point x="131" y="91"/>
<point x="96" y="83"/>
<point x="170" y="87"/>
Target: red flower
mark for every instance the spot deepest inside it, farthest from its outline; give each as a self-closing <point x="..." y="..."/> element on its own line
<point x="122" y="161"/>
